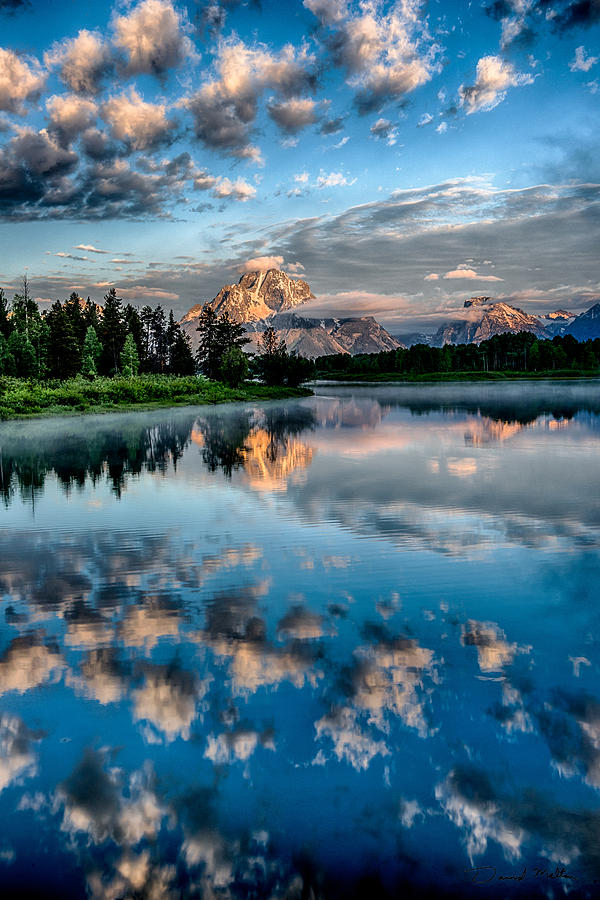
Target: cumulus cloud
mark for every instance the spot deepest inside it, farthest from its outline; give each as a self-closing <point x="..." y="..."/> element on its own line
<point x="83" y="62"/>
<point x="493" y="78"/>
<point x="385" y="54"/>
<point x="140" y="124"/>
<point x="262" y="263"/>
<point x="293" y="115"/>
<point x="582" y="62"/>
<point x="21" y="79"/>
<point x="332" y="126"/>
<point x="383" y="129"/>
<point x="521" y="19"/>
<point x="238" y="190"/>
<point x="224" y="109"/>
<point x="33" y="166"/>
<point x="70" y="115"/>
<point x="153" y="38"/>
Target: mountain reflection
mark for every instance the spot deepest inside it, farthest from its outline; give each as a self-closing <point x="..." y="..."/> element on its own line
<point x="262" y="441"/>
<point x="340" y="648"/>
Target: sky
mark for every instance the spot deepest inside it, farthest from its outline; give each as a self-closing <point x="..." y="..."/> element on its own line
<point x="399" y="156"/>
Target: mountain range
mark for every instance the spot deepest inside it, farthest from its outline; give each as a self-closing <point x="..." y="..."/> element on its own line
<point x="262" y="299"/>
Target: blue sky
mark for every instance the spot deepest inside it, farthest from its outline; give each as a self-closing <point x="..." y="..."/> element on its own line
<point x="400" y="156"/>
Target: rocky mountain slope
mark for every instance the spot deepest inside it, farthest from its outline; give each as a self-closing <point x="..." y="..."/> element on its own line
<point x="261" y="299"/>
<point x="322" y="337"/>
<point x="495" y="318"/>
<point x="587" y="325"/>
<point x="258" y="295"/>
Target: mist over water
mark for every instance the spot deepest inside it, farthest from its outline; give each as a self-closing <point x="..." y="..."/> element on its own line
<point x="339" y="647"/>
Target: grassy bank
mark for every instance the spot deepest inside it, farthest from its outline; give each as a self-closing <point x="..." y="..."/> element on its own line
<point x="419" y="377"/>
<point x="20" y="398"/>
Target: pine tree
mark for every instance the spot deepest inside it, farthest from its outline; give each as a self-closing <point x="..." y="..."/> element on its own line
<point x="112" y="333"/>
<point x="90" y="315"/>
<point x="134" y="326"/>
<point x="271" y="363"/>
<point x="208" y="354"/>
<point x="181" y="357"/>
<point x="160" y="346"/>
<point x="7" y="360"/>
<point x="129" y="357"/>
<point x="64" y="354"/>
<point x="91" y="353"/>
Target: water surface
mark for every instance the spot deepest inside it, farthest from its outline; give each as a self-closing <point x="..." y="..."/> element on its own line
<point x="344" y="646"/>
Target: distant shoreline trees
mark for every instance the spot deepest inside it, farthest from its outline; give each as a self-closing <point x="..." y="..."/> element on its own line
<point x="508" y="352"/>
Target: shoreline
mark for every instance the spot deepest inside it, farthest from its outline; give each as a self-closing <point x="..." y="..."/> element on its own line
<point x="441" y="377"/>
<point x="24" y="401"/>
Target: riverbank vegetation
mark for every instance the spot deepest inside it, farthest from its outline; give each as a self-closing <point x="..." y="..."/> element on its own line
<point x="21" y="398"/>
<point x="503" y="356"/>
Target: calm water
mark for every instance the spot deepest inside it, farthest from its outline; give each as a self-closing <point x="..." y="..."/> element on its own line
<point x="346" y="646"/>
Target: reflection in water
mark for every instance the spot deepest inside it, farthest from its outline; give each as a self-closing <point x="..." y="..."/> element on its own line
<point x="341" y="647"/>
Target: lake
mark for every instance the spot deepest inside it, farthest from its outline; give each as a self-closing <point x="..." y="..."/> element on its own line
<point x="346" y="646"/>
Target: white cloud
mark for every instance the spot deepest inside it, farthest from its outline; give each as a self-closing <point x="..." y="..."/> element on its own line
<point x="70" y="115"/>
<point x="225" y="108"/>
<point x="90" y="248"/>
<point x="385" y="54"/>
<point x="21" y="79"/>
<point x="333" y="179"/>
<point x="238" y="189"/>
<point x="83" y="61"/>
<point x="494" y="76"/>
<point x="131" y="119"/>
<point x="581" y="62"/>
<point x="261" y="263"/>
<point x="153" y="38"/>
<point x="425" y="119"/>
<point x="301" y="178"/>
<point x="384" y="130"/>
<point x="442" y="128"/>
<point x="471" y="274"/>
<point x="293" y="115"/>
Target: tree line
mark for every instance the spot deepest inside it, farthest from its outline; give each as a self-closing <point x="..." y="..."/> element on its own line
<point x="78" y="337"/>
<point x="521" y="352"/>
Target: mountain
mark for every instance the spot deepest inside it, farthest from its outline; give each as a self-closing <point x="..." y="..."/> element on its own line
<point x="413" y="337"/>
<point x="322" y="337"/>
<point x="587" y="325"/>
<point x="495" y="318"/>
<point x="261" y="299"/>
<point x="557" y="322"/>
<point x="258" y="295"/>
